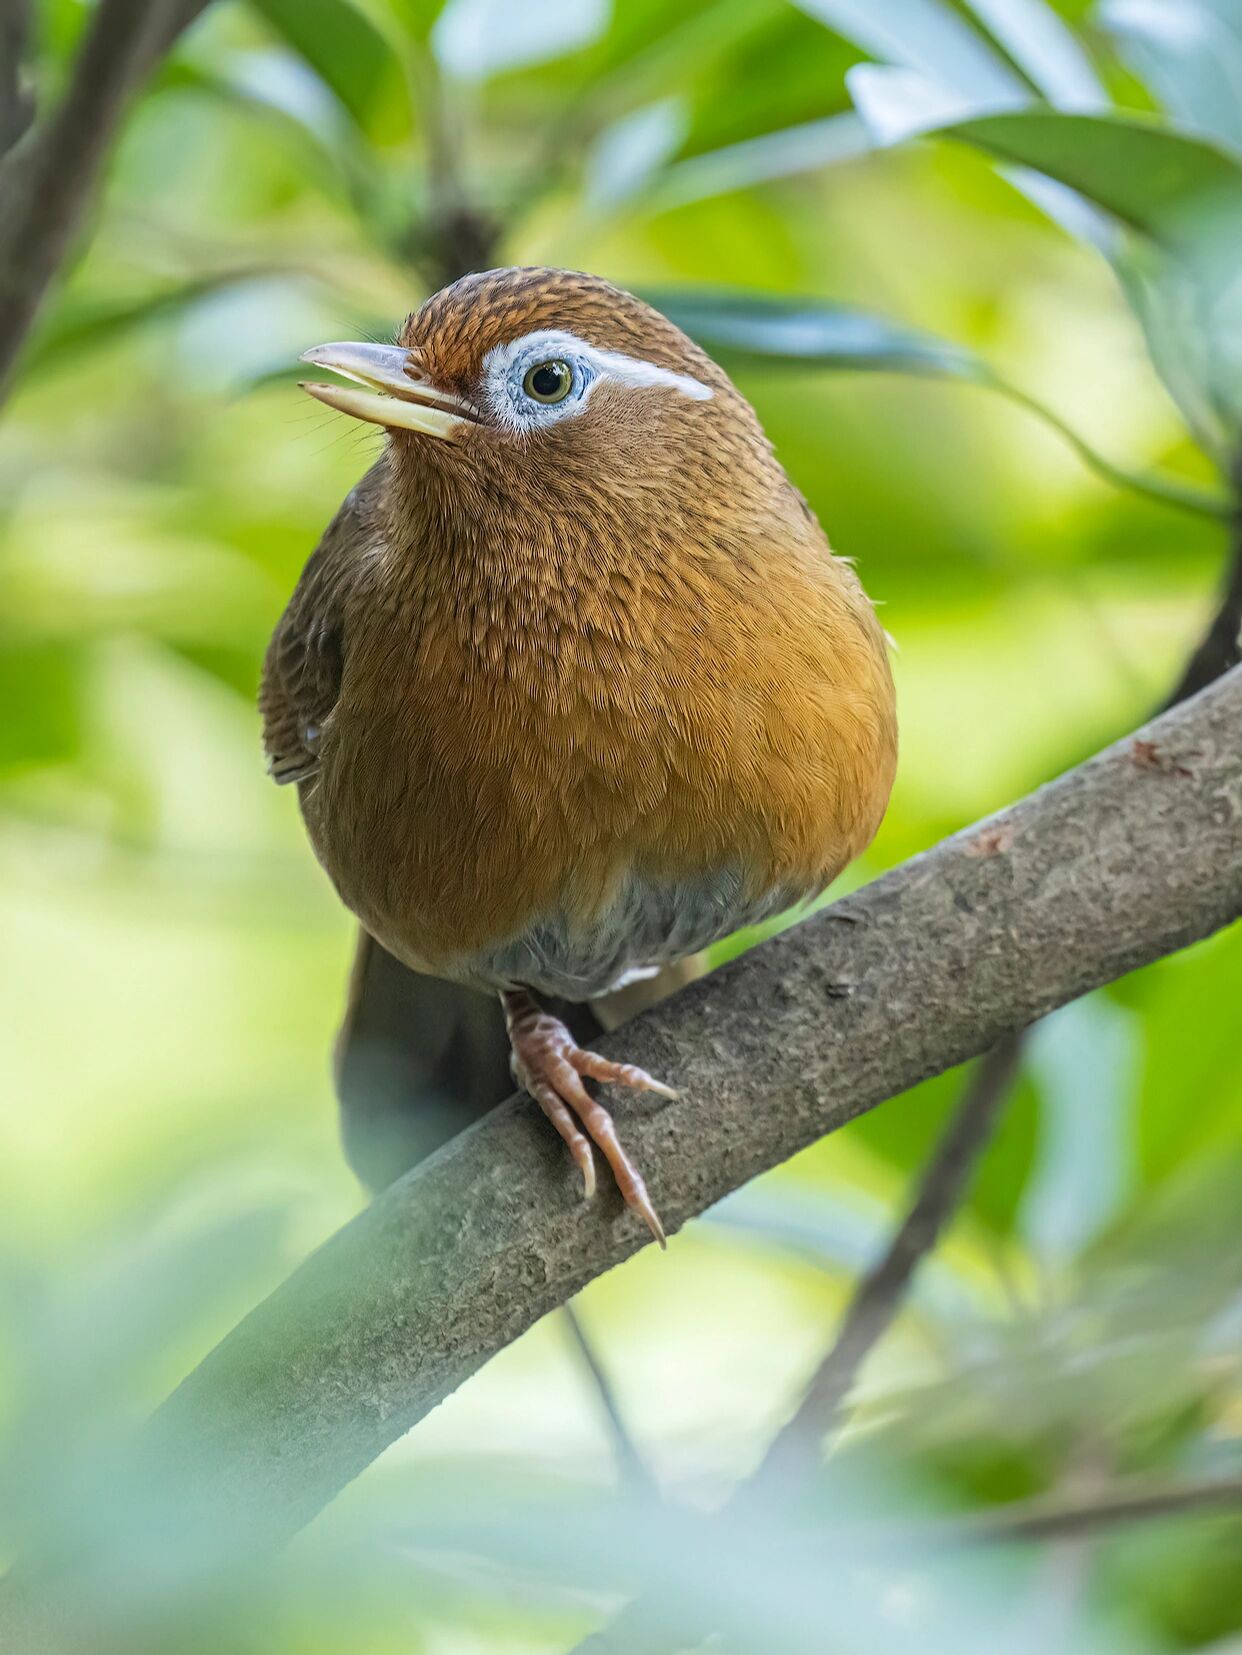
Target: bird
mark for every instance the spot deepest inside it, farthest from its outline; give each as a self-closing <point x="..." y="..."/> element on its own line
<point x="574" y="685"/>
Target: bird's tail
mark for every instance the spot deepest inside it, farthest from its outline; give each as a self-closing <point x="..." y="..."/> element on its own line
<point x="418" y="1059"/>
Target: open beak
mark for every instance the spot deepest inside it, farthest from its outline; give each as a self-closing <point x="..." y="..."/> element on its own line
<point x="392" y="392"/>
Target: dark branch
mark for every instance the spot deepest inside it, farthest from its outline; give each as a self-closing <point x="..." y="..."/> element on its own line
<point x="630" y="1462"/>
<point x="1220" y="648"/>
<point x="16" y="97"/>
<point x="48" y="182"/>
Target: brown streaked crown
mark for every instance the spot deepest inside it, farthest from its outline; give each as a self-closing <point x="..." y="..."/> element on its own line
<point x="455" y="328"/>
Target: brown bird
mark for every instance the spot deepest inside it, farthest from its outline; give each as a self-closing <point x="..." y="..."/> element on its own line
<point x="573" y="685"/>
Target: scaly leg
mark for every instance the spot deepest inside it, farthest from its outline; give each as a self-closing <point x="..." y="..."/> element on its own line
<point x="549" y="1065"/>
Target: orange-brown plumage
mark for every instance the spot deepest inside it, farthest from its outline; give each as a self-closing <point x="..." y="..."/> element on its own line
<point x="552" y="663"/>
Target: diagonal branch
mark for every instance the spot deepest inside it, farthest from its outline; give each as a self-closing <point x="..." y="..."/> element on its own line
<point x="1130" y="856"/>
<point x="49" y="179"/>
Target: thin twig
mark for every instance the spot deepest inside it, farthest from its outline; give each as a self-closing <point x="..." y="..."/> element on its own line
<point x="880" y="1294"/>
<point x="48" y="182"/>
<point x="1054" y="1517"/>
<point x="630" y="1463"/>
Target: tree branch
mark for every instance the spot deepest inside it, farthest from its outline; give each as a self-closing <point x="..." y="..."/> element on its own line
<point x="16" y="99"/>
<point x="1130" y="856"/>
<point x="49" y="179"/>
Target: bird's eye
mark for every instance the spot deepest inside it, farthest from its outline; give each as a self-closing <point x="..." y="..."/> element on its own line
<point x="548" y="381"/>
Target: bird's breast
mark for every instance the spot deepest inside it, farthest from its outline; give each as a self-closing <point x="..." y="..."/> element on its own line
<point x="555" y="791"/>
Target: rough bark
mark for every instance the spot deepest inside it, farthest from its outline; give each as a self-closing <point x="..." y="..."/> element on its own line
<point x="1132" y="855"/>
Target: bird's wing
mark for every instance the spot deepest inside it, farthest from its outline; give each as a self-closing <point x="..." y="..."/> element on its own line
<point x="306" y="657"/>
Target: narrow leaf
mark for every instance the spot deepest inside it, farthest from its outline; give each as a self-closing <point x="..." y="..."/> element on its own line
<point x="897" y="104"/>
<point x="811" y="333"/>
<point x="806" y="334"/>
<point x="351" y="56"/>
<point x="919" y="34"/>
<point x="1045" y="49"/>
<point x="475" y="39"/>
<point x="782" y="154"/>
<point x="628" y="154"/>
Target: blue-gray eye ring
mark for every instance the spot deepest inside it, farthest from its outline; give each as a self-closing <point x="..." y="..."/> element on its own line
<point x="548" y="382"/>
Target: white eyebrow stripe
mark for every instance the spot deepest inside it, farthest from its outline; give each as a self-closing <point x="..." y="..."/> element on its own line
<point x="611" y="364"/>
<point x="635" y="371"/>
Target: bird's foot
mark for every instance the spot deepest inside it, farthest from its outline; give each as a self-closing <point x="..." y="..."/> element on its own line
<point x="550" y="1065"/>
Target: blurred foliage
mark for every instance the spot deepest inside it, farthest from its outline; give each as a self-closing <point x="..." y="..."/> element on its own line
<point x="303" y="169"/>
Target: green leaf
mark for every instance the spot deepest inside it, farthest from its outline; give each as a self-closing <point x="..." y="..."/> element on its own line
<point x="1189" y="56"/>
<point x="75" y="327"/>
<point x="416" y="17"/>
<point x="351" y="56"/>
<point x="475" y="39"/>
<point x="920" y="34"/>
<point x="804" y="334"/>
<point x="630" y="153"/>
<point x="1163" y="183"/>
<point x="46" y="681"/>
<point x="897" y="103"/>
<point x="781" y="154"/>
<point x="811" y="333"/>
<point x="1179" y="195"/>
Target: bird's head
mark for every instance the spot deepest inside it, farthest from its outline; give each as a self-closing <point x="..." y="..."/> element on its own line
<point x="516" y="384"/>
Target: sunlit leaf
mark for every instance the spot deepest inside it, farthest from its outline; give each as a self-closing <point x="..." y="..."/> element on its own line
<point x="775" y="155"/>
<point x="898" y="103"/>
<point x="630" y="152"/>
<point x="1189" y="56"/>
<point x="350" y="55"/>
<point x="474" y="39"/>
<point x="920" y="34"/>
<point x="79" y="326"/>
<point x="1045" y="49"/>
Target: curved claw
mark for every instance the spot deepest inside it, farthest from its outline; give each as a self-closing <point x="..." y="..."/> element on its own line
<point x="549" y="1065"/>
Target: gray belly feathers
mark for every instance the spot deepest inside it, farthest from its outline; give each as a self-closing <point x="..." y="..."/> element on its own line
<point x="649" y="925"/>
